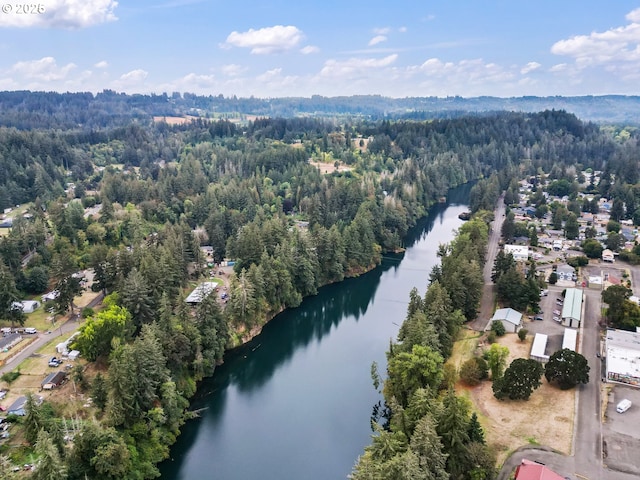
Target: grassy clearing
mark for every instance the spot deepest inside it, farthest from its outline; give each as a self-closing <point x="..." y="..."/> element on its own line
<point x="464" y="347"/>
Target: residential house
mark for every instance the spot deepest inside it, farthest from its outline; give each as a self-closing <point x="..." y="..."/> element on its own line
<point x="520" y="252"/>
<point x="50" y="297"/>
<point x="19" y="406"/>
<point x="510" y="318"/>
<point x="528" y="470"/>
<point x="53" y="380"/>
<point x="566" y="272"/>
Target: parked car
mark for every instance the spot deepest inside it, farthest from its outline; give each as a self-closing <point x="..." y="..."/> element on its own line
<point x="556" y="312"/>
<point x="538" y="317"/>
<point x="55" y="362"/>
<point x="557" y="319"/>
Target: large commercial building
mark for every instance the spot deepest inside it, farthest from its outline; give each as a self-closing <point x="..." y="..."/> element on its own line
<point x="623" y="357"/>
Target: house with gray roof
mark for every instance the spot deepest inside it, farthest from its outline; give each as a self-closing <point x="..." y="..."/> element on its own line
<point x="510" y="318"/>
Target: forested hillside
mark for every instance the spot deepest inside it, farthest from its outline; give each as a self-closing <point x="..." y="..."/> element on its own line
<point x="27" y="110"/>
<point x="135" y="201"/>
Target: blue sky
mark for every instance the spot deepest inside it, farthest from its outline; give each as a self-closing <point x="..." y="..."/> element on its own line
<point x="281" y="48"/>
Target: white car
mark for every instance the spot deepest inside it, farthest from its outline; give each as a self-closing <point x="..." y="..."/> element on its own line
<point x="557" y="319"/>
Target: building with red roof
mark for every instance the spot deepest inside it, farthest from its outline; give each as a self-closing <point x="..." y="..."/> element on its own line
<point x="528" y="470"/>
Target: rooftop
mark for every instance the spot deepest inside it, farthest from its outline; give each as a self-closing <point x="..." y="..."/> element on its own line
<point x="572" y="307"/>
<point x="508" y="314"/>
<point x="200" y="292"/>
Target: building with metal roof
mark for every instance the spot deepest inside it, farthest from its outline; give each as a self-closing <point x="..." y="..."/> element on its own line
<point x="201" y="292"/>
<point x="572" y="308"/>
<point x="570" y="339"/>
<point x="510" y="318"/>
<point x="538" y="348"/>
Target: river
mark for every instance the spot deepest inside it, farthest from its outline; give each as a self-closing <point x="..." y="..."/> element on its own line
<point x="296" y="402"/>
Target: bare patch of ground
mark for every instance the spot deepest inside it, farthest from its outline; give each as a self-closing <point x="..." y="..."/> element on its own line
<point x="174" y="120"/>
<point x="330" y="167"/>
<point x="545" y="419"/>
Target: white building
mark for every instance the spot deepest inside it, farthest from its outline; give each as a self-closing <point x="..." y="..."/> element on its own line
<point x="27" y="306"/>
<point x="201" y="292"/>
<point x="570" y="339"/>
<point x="623" y="356"/>
<point x="520" y="252"/>
<point x="607" y="256"/>
<point x="538" y="348"/>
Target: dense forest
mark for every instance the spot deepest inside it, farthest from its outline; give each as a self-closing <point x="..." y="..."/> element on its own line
<point x="135" y="200"/>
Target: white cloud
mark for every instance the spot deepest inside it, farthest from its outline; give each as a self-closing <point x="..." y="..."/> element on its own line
<point x="464" y="72"/>
<point x="193" y="81"/>
<point x="403" y="29"/>
<point x="267" y="40"/>
<point x="309" y="49"/>
<point x="102" y="64"/>
<point x="355" y="66"/>
<point x="382" y="31"/>
<point x="44" y="70"/>
<point x="615" y="46"/>
<point x="560" y="67"/>
<point x="530" y="67"/>
<point x="233" y="70"/>
<point x="70" y="14"/>
<point x="377" y="39"/>
<point x="275" y="83"/>
<point x="134" y="76"/>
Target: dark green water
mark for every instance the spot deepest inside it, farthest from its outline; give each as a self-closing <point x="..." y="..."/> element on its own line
<point x="296" y="402"/>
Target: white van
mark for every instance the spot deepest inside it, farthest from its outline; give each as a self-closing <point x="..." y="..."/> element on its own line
<point x="30" y="330"/>
<point x="623" y="406"/>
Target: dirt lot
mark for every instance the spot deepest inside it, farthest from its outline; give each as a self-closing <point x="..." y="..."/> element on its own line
<point x="329" y="167"/>
<point x="545" y="419"/>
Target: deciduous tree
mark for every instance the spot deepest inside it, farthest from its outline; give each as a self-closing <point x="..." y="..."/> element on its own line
<point x="567" y="368"/>
<point x="520" y="379"/>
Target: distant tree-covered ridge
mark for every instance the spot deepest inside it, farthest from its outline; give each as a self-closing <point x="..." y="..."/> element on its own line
<point x="25" y="109"/>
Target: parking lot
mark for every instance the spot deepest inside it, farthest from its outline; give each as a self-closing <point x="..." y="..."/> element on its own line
<point x="553" y="329"/>
<point x="621" y="437"/>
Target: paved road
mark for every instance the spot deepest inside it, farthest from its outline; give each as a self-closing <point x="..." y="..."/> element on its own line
<point x="63" y="328"/>
<point x="487" y="304"/>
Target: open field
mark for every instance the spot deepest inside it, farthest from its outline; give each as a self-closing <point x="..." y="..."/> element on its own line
<point x="547" y="418"/>
<point x="329" y="167"/>
<point x="174" y="120"/>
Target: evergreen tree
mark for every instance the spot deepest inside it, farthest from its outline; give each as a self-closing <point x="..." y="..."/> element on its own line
<point x="99" y="393"/>
<point x="33" y="420"/>
<point x="476" y="433"/>
<point x="50" y="465"/>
